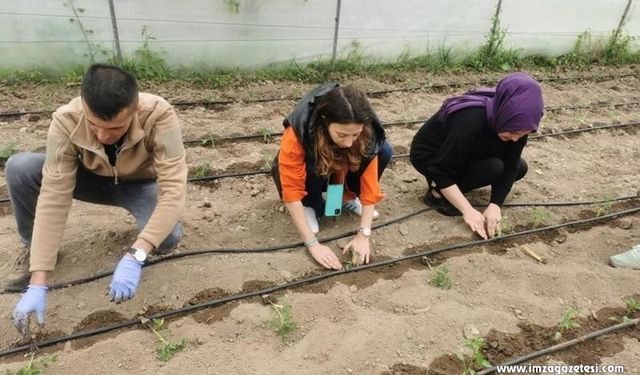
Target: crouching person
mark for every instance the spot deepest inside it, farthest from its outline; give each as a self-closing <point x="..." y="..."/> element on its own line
<point x="333" y="144"/>
<point x="111" y="146"/>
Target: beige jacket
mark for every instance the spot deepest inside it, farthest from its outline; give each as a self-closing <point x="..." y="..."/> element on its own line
<point x="152" y="149"/>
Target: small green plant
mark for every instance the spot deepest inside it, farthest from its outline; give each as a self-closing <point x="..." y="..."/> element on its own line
<point x="166" y="349"/>
<point x="633" y="306"/>
<point x="33" y="367"/>
<point x="282" y="323"/>
<point x="208" y="142"/>
<point x="201" y="170"/>
<point x="441" y="278"/>
<point x="7" y="150"/>
<point x="477" y="360"/>
<point x="605" y="207"/>
<point x="147" y="63"/>
<point x="567" y="322"/>
<point x="505" y="226"/>
<point x="266" y="135"/>
<point x="539" y="216"/>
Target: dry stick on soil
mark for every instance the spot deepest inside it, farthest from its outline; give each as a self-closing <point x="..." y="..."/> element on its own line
<point x="564" y="345"/>
<point x="527" y="250"/>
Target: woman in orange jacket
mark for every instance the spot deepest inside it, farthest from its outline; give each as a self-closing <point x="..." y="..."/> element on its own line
<point x="333" y="138"/>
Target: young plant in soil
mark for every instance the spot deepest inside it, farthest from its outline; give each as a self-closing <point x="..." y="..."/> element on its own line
<point x="504" y="227"/>
<point x="33" y="367"/>
<point x="539" y="216"/>
<point x="567" y="322"/>
<point x="166" y="349"/>
<point x="201" y="170"/>
<point x="282" y="323"/>
<point x="633" y="306"/>
<point x="478" y="359"/>
<point x="266" y="135"/>
<point x="6" y="151"/>
<point x="605" y="207"/>
<point x="441" y="278"/>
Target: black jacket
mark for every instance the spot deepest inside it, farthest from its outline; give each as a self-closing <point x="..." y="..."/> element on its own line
<point x="303" y="119"/>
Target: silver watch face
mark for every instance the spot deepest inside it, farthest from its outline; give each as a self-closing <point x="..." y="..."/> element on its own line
<point x="140" y="255"/>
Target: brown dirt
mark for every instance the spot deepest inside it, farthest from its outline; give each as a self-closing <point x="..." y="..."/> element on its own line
<point x="387" y="320"/>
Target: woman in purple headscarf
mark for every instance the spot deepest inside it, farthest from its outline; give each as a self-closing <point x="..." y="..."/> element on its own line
<point x="476" y="140"/>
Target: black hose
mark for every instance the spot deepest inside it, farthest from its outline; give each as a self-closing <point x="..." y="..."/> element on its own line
<point x="326" y="275"/>
<point x="267" y="249"/>
<point x="438" y="86"/>
<point x="564" y="345"/>
<point x="399" y="156"/>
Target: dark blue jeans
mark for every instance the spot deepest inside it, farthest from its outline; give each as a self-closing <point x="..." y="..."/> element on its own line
<point x="315" y="185"/>
<point x="24" y="177"/>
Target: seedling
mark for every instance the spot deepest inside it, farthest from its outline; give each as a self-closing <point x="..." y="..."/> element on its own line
<point x="605" y="207"/>
<point x="539" y="216"/>
<point x="201" y="170"/>
<point x="504" y="227"/>
<point x="633" y="306"/>
<point x="567" y="322"/>
<point x="478" y="359"/>
<point x="208" y="142"/>
<point x="441" y="278"/>
<point x="33" y="367"/>
<point x="266" y="135"/>
<point x="166" y="349"/>
<point x="282" y="323"/>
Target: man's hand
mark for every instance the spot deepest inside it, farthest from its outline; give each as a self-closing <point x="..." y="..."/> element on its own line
<point x="126" y="278"/>
<point x="492" y="217"/>
<point x="33" y="300"/>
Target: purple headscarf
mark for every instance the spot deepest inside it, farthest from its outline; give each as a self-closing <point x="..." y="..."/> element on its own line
<point x="514" y="105"/>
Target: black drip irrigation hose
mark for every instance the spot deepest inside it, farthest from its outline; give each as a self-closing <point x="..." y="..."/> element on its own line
<point x="266" y="136"/>
<point x="376" y="93"/>
<point x="398" y="156"/>
<point x="275" y="248"/>
<point x="312" y="279"/>
<point x="564" y="345"/>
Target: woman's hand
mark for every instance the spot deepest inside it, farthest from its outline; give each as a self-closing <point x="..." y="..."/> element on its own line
<point x="325" y="256"/>
<point x="475" y="221"/>
<point x="492" y="216"/>
<point x="360" y="246"/>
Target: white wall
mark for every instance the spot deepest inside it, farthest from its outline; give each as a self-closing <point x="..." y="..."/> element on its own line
<point x="252" y="33"/>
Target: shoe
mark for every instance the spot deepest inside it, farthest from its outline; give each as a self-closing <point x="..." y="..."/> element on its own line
<point x="629" y="259"/>
<point x="355" y="206"/>
<point x="440" y="204"/>
<point x="312" y="220"/>
<point x="19" y="275"/>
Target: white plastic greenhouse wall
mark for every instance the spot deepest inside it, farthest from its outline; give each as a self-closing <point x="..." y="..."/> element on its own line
<point x="57" y="34"/>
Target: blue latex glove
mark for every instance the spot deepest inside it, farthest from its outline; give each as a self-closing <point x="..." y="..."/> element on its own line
<point x="126" y="278"/>
<point x="33" y="300"/>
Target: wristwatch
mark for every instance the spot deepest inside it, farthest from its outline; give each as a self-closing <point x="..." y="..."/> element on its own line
<point x="138" y="254"/>
<point x="365" y="231"/>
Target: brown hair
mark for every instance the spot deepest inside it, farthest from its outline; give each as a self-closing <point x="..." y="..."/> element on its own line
<point x="341" y="105"/>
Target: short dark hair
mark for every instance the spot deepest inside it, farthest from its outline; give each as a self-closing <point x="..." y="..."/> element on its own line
<point x="108" y="89"/>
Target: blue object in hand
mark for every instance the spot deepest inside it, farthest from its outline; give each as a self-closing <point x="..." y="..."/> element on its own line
<point x="126" y="278"/>
<point x="33" y="300"/>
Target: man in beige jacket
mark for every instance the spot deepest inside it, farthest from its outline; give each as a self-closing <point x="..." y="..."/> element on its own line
<point x="111" y="146"/>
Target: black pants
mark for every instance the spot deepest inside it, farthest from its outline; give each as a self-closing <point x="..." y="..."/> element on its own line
<point x="480" y="173"/>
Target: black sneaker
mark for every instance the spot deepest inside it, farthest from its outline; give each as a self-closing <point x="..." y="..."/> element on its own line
<point x="441" y="204"/>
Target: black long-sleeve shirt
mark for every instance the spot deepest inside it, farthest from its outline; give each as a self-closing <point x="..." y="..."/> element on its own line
<point x="442" y="151"/>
